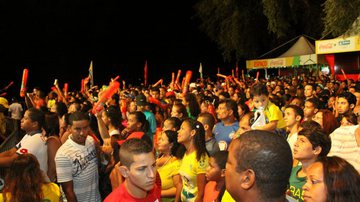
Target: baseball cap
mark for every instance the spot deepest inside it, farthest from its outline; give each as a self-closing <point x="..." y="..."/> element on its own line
<point x="141" y="100"/>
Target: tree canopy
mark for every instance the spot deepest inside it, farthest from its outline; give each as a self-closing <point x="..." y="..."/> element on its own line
<point x="248" y="28"/>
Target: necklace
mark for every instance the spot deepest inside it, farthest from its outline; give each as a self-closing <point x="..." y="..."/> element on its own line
<point x="167" y="160"/>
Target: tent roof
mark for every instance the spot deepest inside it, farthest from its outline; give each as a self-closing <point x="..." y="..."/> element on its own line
<point x="301" y="47"/>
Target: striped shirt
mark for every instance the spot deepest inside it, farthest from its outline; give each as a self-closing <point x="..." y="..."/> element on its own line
<point x="344" y="145"/>
<point x="78" y="163"/>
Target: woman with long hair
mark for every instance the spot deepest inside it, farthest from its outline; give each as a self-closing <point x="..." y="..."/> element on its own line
<point x="195" y="160"/>
<point x="192" y="105"/>
<point x="136" y="128"/>
<point x="168" y="164"/>
<point x="327" y="120"/>
<point x="52" y="130"/>
<point x="26" y="182"/>
<point x="332" y="179"/>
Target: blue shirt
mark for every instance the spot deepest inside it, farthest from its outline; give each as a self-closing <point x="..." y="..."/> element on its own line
<point x="224" y="134"/>
<point x="150" y="117"/>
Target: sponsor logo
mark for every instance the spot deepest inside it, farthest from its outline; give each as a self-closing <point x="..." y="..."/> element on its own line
<point x="344" y="43"/>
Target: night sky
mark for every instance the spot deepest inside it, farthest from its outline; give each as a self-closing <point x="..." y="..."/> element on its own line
<point x="58" y="38"/>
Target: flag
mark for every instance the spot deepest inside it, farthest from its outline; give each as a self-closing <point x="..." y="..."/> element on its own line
<point x="145" y="73"/>
<point x="91" y="74"/>
<point x="201" y="71"/>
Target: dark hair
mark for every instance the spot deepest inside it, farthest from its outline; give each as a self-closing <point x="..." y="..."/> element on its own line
<point x="231" y="105"/>
<point x="299" y="98"/>
<point x="140" y="117"/>
<point x="131" y="147"/>
<point x="341" y="179"/>
<point x="181" y="109"/>
<point x="24" y="180"/>
<point x="269" y="156"/>
<point x="314" y="101"/>
<point x="244" y="107"/>
<point x="298" y="110"/>
<point x="78" y="116"/>
<point x="313" y="86"/>
<point x="61" y="108"/>
<point x="225" y="94"/>
<point x="194" y="107"/>
<point x="199" y="138"/>
<point x="258" y="90"/>
<point x="208" y="119"/>
<point x="221" y="158"/>
<point x="114" y="115"/>
<point x="351" y="118"/>
<point x="51" y="125"/>
<point x="38" y="116"/>
<point x="172" y="136"/>
<point x="311" y="125"/>
<point x="175" y="122"/>
<point x="349" y="97"/>
<point x="317" y="138"/>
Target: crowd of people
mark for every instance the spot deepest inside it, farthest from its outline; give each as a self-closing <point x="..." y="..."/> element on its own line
<point x="233" y="139"/>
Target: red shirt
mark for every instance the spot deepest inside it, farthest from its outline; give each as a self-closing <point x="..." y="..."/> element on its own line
<point x="211" y="194"/>
<point x="121" y="194"/>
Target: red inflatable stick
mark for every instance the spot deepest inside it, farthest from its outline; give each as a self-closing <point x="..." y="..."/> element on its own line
<point x="187" y="81"/>
<point x="23" y="83"/>
<point x="82" y="86"/>
<point x="66" y="88"/>
<point x="157" y="102"/>
<point x="113" y="87"/>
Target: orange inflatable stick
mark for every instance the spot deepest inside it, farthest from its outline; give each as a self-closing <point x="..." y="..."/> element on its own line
<point x="187" y="81"/>
<point x="66" y="88"/>
<point x="221" y="75"/>
<point x="178" y="76"/>
<point x="157" y="102"/>
<point x="23" y="83"/>
<point x="172" y="79"/>
<point x="157" y="83"/>
<point x="113" y="87"/>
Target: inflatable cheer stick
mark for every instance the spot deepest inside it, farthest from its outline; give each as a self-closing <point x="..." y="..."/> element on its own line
<point x="157" y="83"/>
<point x="178" y="76"/>
<point x="23" y="83"/>
<point x="157" y="102"/>
<point x="221" y="75"/>
<point x="187" y="81"/>
<point x="113" y="87"/>
<point x="66" y="88"/>
<point x="172" y="80"/>
<point x="343" y="73"/>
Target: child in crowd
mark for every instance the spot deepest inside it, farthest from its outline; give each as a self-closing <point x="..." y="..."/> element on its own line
<point x="208" y="122"/>
<point x="274" y="118"/>
<point x="215" y="175"/>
